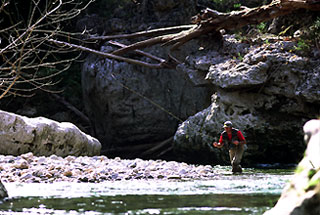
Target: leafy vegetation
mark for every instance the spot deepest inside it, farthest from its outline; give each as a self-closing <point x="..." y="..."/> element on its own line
<point x="262" y="27"/>
<point x="310" y="37"/>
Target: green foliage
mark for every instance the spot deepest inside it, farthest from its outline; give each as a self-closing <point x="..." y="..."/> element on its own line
<point x="238" y="57"/>
<point x="218" y="1"/>
<point x="262" y="27"/>
<point x="313" y="183"/>
<point x="302" y="45"/>
<point x="237" y="6"/>
<point x="310" y="37"/>
<point x="299" y="169"/>
<point x="311" y="173"/>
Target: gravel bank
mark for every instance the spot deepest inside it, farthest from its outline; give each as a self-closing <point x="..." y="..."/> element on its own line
<point x="32" y="169"/>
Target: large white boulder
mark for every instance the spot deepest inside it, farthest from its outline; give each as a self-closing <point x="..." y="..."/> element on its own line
<point x="42" y="136"/>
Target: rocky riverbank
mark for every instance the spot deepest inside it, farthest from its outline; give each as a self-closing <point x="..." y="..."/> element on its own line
<point x="28" y="168"/>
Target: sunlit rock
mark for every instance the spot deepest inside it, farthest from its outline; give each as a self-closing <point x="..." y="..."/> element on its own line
<point x="42" y="136"/>
<point x="267" y="91"/>
<point x="302" y="195"/>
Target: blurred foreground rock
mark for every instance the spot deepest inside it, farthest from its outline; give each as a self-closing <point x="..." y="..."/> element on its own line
<point x="42" y="136"/>
<point x="302" y="194"/>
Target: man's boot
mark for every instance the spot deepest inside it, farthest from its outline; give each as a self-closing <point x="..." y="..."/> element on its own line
<point x="236" y="169"/>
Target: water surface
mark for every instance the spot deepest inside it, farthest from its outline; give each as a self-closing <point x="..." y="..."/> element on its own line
<point x="253" y="192"/>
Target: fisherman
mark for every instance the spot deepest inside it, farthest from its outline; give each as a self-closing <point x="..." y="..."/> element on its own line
<point x="234" y="140"/>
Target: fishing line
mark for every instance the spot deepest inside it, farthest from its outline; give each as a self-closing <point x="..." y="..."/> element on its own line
<point x="162" y="108"/>
<point x="146" y="98"/>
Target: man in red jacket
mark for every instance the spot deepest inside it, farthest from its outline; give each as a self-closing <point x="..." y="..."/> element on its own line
<point x="235" y="142"/>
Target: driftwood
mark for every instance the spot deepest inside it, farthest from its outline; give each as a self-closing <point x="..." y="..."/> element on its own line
<point x="208" y="21"/>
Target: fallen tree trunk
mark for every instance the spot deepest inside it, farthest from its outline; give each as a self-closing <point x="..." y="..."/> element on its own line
<point x="206" y="22"/>
<point x="211" y="20"/>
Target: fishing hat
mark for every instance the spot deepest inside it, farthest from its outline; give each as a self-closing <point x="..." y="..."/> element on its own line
<point x="227" y="124"/>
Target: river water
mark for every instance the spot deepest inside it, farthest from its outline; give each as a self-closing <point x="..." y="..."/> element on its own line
<point x="253" y="192"/>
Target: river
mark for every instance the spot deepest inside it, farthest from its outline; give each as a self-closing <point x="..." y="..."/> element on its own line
<point x="253" y="192"/>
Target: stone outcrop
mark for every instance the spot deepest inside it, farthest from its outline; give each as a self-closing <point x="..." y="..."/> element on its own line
<point x="267" y="90"/>
<point x="3" y="191"/>
<point x="302" y="195"/>
<point x="42" y="136"/>
<point x="129" y="104"/>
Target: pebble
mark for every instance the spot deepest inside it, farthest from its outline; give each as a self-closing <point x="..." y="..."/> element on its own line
<point x="28" y="168"/>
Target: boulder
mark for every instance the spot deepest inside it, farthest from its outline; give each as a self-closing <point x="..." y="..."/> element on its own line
<point x="302" y="195"/>
<point x="42" y="136"/>
<point x="267" y="91"/>
<point x="3" y="191"/>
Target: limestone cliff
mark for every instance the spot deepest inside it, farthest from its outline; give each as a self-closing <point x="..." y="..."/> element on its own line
<point x="268" y="93"/>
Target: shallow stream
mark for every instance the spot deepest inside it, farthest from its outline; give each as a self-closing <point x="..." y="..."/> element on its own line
<point x="253" y="192"/>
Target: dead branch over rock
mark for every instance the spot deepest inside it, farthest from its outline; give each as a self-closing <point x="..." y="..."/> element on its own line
<point x="208" y="21"/>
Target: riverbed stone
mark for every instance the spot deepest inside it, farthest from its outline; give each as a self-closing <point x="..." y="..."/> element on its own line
<point x="42" y="136"/>
<point x="302" y="195"/>
<point x="97" y="169"/>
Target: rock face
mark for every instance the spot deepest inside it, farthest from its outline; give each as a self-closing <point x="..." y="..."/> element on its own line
<point x="302" y="195"/>
<point x="3" y="191"/>
<point x="268" y="91"/>
<point x="43" y="136"/>
<point x="130" y="104"/>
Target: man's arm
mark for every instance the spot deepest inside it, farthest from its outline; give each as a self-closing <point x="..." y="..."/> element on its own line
<point x="219" y="144"/>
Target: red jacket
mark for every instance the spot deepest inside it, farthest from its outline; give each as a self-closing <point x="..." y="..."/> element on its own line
<point x="235" y="135"/>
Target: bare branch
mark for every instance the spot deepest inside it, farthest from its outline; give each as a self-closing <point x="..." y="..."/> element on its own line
<point x="27" y="57"/>
<point x="112" y="56"/>
<point x="147" y="33"/>
<point x="138" y="51"/>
